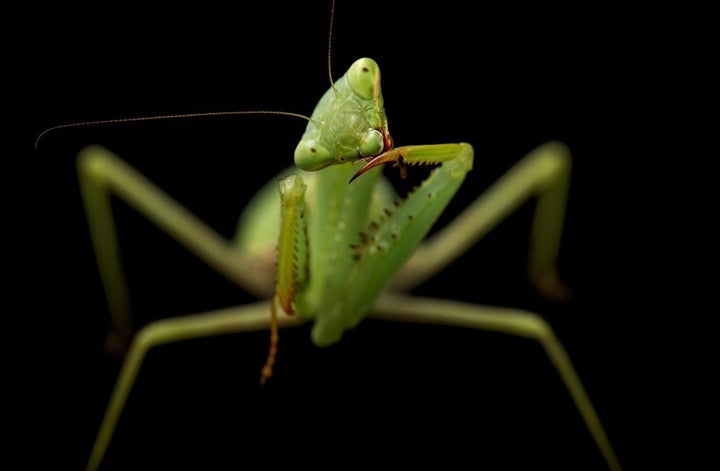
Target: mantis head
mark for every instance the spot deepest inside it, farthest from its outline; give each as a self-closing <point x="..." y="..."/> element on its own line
<point x="349" y="122"/>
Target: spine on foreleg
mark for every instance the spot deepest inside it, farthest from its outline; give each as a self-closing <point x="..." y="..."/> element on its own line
<point x="387" y="244"/>
<point x="292" y="246"/>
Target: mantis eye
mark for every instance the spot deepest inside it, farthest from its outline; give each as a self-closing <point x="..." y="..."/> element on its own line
<point x="364" y="78"/>
<point x="310" y="155"/>
<point x="372" y="143"/>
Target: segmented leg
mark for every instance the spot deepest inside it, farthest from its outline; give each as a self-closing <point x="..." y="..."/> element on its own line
<point x="252" y="317"/>
<point x="102" y="175"/>
<point x="396" y="307"/>
<point x="543" y="174"/>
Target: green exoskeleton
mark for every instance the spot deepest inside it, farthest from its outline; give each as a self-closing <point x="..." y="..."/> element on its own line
<point x="329" y="241"/>
<point x="342" y="239"/>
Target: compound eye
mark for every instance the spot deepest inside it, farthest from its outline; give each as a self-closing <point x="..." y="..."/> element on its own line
<point x="310" y="155"/>
<point x="372" y="143"/>
<point x="364" y="78"/>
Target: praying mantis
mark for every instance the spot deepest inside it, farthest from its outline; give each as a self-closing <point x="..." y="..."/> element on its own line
<point x="357" y="249"/>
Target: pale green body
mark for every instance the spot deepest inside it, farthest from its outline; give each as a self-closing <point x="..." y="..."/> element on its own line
<point x="346" y="250"/>
<point x="342" y="283"/>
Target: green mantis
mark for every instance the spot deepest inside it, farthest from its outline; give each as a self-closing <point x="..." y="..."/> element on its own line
<point x="347" y="247"/>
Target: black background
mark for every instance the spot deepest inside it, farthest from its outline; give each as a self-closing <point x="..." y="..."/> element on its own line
<point x="503" y="80"/>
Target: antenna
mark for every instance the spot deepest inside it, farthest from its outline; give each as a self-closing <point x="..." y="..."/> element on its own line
<point x="198" y="115"/>
<point x="329" y="49"/>
<point x="165" y="117"/>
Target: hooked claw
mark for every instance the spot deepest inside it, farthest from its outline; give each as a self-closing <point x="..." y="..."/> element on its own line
<point x="393" y="155"/>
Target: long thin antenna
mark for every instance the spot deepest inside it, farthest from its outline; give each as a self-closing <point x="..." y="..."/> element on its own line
<point x="330" y="37"/>
<point x="164" y="117"/>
